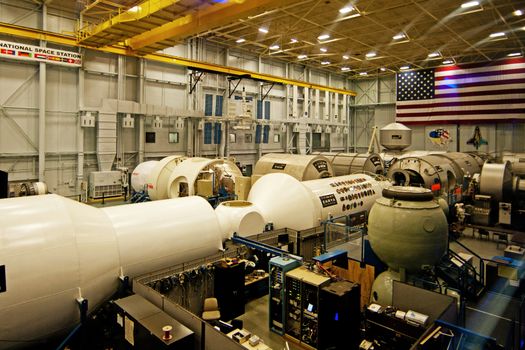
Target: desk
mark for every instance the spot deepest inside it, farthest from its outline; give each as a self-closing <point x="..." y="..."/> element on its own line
<point x="518" y="237"/>
<point x="246" y="344"/>
<point x="256" y="285"/>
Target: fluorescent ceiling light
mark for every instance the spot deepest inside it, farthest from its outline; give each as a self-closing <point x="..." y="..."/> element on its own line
<point x="448" y="61"/>
<point x="301" y="57"/>
<point x="469" y="4"/>
<point x="240" y="40"/>
<point x="345" y="57"/>
<point x="323" y="49"/>
<point x="324" y="63"/>
<point x="399" y="36"/>
<point x="274" y="47"/>
<point x="404" y="67"/>
<point x="434" y="55"/>
<point x="371" y="54"/>
<point x="517" y="13"/>
<point x="345" y="69"/>
<point x="134" y="9"/>
<point x="323" y="37"/>
<point x="497" y="35"/>
<point x="293" y="41"/>
<point x="346" y="10"/>
<point x="263" y="30"/>
<point x="382" y="69"/>
<point x="363" y="73"/>
<point x="514" y="54"/>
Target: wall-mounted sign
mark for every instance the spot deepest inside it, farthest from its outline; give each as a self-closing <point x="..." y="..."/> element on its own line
<point x="440" y="137"/>
<point x="477" y="140"/>
<point x="26" y="52"/>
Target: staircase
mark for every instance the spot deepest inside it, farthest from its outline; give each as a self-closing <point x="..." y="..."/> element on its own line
<point x="460" y="274"/>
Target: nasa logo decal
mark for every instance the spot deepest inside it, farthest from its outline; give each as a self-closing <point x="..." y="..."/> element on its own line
<point x="320" y="165"/>
<point x="3" y="286"/>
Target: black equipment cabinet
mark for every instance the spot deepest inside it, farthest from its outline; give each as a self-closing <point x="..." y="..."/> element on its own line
<point x="339" y="316"/>
<point x="229" y="289"/>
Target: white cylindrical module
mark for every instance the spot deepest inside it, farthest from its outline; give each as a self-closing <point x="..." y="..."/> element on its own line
<point x="159" y="176"/>
<point x="395" y="136"/>
<point x="301" y="167"/>
<point x="139" y="176"/>
<point x="183" y="180"/>
<point x="55" y="250"/>
<point x="241" y="217"/>
<point x="288" y="203"/>
<point x="164" y="233"/>
<point x="352" y="163"/>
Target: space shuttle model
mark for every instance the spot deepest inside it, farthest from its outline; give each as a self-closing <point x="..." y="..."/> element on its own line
<point x="56" y="253"/>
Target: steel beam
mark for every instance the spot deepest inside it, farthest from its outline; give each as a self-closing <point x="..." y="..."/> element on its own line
<point x="202" y="20"/>
<point x="36" y="34"/>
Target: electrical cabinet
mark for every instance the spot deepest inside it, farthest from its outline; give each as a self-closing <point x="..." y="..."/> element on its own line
<point x="105" y="184"/>
<point x="229" y="289"/>
<point x="278" y="267"/>
<point x="302" y="305"/>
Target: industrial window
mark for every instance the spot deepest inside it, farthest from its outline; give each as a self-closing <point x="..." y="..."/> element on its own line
<point x="248" y="138"/>
<point x="266" y="133"/>
<point x="208" y="105"/>
<point x="267" y="110"/>
<point x="173" y="137"/>
<point x="3" y="286"/>
<point x="150" y="137"/>
<point x="233" y="138"/>
<point x="277" y="138"/>
<point x="207" y="133"/>
<point x="258" y="112"/>
<point x="218" y="105"/>
<point x="258" y="133"/>
<point x="217" y="133"/>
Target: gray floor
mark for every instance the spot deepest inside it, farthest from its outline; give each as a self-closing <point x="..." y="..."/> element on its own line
<point x="256" y="321"/>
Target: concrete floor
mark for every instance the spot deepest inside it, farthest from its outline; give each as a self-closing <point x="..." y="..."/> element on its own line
<point x="256" y="321"/>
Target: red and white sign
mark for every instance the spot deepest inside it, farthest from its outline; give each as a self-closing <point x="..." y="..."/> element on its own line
<point x="26" y="52"/>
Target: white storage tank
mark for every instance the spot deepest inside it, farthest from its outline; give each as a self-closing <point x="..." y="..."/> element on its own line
<point x="288" y="203"/>
<point x="139" y="176"/>
<point x="395" y="136"/>
<point x="301" y="167"/>
<point x="352" y="163"/>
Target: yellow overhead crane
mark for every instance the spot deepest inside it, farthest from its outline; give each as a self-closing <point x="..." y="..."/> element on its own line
<point x="36" y="34"/>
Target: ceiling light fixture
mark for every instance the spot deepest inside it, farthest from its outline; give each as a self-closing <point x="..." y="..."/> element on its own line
<point x="382" y="69"/>
<point x="323" y="37"/>
<point x="371" y="55"/>
<point x="240" y="40"/>
<point x="323" y="49"/>
<point x="434" y="55"/>
<point x="302" y="57"/>
<point x="345" y="69"/>
<point x="497" y="35"/>
<point x="448" y="62"/>
<point x="346" y="10"/>
<point x="404" y="67"/>
<point x="134" y="9"/>
<point x="263" y="30"/>
<point x="324" y="63"/>
<point x="363" y="73"/>
<point x="399" y="36"/>
<point x="514" y="54"/>
<point x="345" y="57"/>
<point x="517" y="13"/>
<point x="293" y="41"/>
<point x="469" y="4"/>
<point x="274" y="47"/>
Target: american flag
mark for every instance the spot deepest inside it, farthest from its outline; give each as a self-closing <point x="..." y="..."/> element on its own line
<point x="476" y="92"/>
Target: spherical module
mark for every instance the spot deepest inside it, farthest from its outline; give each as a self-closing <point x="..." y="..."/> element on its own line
<point x="407" y="228"/>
